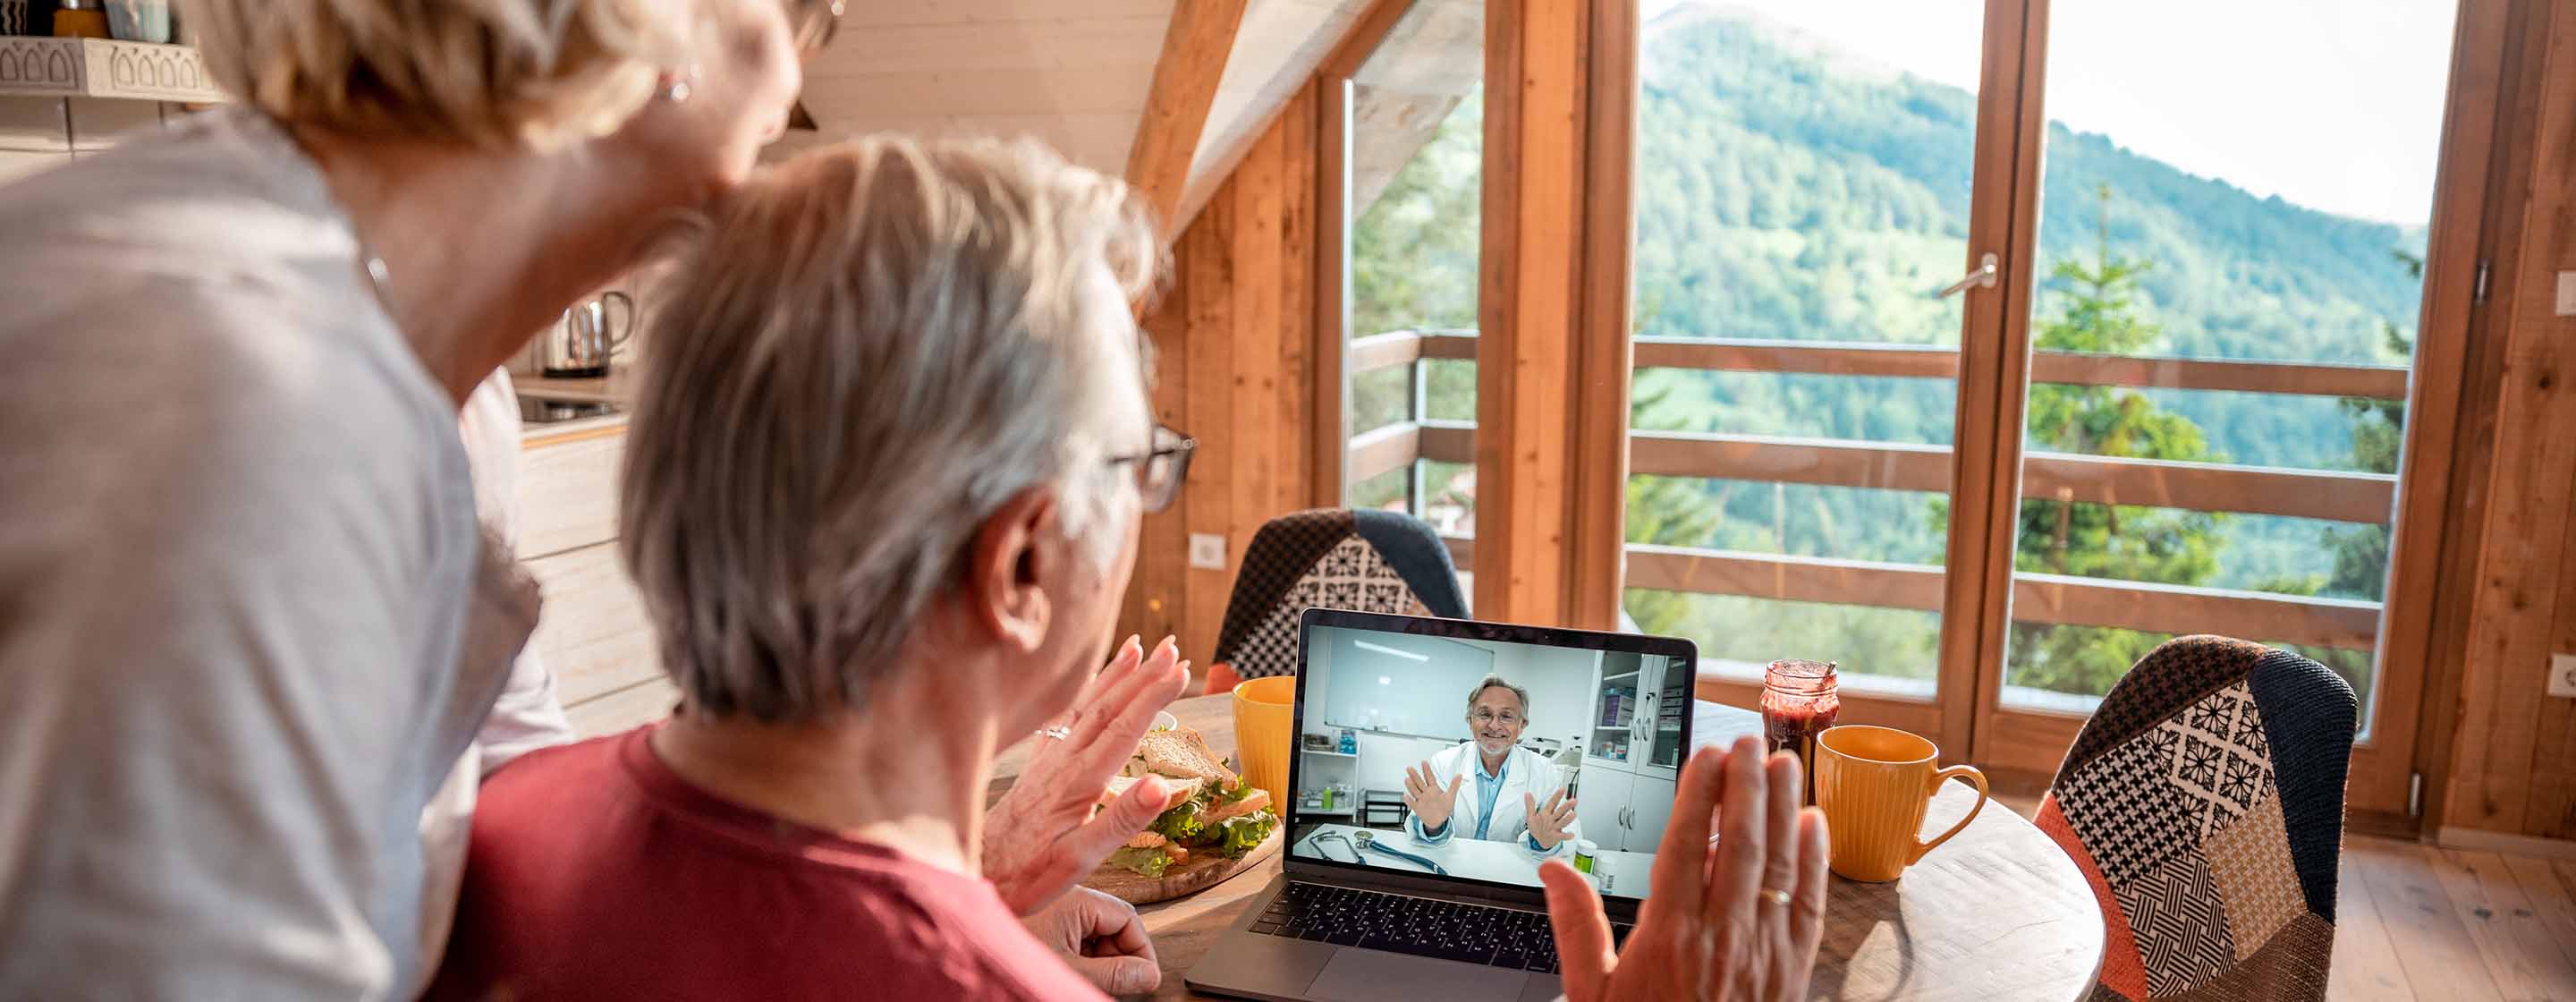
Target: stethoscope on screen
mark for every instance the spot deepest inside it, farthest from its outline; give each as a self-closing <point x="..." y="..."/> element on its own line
<point x="1369" y="842"/>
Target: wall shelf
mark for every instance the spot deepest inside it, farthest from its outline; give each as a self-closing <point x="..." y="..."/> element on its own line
<point x="98" y="67"/>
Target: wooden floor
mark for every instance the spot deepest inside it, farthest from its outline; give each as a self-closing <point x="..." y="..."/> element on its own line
<point x="2444" y="925"/>
<point x="2422" y="922"/>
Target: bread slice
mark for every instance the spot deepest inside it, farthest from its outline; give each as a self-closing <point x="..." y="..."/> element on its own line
<point x="1182" y="754"/>
<point x="1252" y="803"/>
<point x="1181" y="790"/>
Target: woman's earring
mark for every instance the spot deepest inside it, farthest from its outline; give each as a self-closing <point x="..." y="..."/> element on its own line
<point x="676" y="87"/>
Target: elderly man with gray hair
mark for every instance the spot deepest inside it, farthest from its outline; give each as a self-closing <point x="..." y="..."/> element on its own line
<point x="1519" y="797"/>
<point x="881" y="500"/>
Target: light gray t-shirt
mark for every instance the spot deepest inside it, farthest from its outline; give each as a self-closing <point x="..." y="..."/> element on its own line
<point x="247" y="627"/>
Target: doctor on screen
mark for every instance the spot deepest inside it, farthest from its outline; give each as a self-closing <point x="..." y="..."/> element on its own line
<point x="1489" y="787"/>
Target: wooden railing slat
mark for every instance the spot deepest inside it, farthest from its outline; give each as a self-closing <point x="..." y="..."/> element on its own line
<point x="1381" y="450"/>
<point x="1855" y="358"/>
<point x="2037" y="598"/>
<point x="2321" y="494"/>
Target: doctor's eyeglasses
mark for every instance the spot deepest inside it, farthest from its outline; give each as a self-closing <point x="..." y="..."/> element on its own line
<point x="1505" y="718"/>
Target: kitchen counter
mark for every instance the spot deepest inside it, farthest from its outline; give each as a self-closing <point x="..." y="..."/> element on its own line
<point x="618" y="387"/>
<point x="536" y="392"/>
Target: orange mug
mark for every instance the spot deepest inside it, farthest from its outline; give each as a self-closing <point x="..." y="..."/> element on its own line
<point x="1262" y="722"/>
<point x="1874" y="784"/>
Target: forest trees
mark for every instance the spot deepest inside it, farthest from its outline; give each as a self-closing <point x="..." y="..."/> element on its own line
<point x="2098" y="312"/>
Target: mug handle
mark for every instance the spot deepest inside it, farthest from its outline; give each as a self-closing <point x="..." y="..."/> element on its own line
<point x="1939" y="777"/>
<point x="617" y="340"/>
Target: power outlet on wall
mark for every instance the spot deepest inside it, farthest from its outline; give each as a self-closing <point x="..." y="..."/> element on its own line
<point x="2562" y="674"/>
<point x="1207" y="551"/>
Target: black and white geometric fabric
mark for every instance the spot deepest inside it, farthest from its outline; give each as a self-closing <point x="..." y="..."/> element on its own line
<point x="1350" y="576"/>
<point x="2120" y="805"/>
<point x="2180" y="924"/>
<point x="2166" y="791"/>
<point x="2220" y="762"/>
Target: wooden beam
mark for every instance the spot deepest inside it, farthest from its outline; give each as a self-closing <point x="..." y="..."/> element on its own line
<point x="1195" y="48"/>
<point x="1827" y="357"/>
<point x="1529" y="308"/>
<point x="2476" y="225"/>
<point x="2364" y="498"/>
<point x="1329" y="330"/>
<point x="1383" y="351"/>
<point x="2527" y="519"/>
<point x="2263" y="617"/>
<point x="1449" y="441"/>
<point x="1365" y="36"/>
<point x="1819" y="461"/>
<point x="1380" y="451"/>
<point x="2378" y="382"/>
<point x="1604" y="330"/>
<point x="1788" y="579"/>
<point x="2037" y="598"/>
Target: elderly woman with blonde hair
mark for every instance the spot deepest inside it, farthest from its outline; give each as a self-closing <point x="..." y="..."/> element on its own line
<point x="255" y="644"/>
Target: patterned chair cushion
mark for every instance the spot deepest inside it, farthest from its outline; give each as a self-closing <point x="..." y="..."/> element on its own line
<point x="2204" y="804"/>
<point x="1334" y="558"/>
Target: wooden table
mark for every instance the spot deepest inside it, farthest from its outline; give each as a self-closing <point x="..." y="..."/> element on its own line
<point x="1998" y="913"/>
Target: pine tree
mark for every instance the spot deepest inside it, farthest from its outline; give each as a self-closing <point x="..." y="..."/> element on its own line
<point x="2099" y="311"/>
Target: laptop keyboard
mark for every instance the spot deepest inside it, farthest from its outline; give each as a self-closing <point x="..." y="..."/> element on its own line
<point x="1423" y="927"/>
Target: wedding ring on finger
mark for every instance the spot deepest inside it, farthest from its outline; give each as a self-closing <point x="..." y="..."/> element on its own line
<point x="1775" y="896"/>
<point x="1058" y="732"/>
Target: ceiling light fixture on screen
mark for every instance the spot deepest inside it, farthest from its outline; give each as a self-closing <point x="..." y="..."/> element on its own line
<point x="1383" y="649"/>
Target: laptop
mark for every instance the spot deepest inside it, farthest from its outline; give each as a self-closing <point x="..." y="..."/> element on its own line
<point x="1366" y="908"/>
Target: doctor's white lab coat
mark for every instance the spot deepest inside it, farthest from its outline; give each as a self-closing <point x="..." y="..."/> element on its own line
<point x="1524" y="772"/>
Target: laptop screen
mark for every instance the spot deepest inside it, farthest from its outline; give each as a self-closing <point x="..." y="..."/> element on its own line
<point x="1477" y="751"/>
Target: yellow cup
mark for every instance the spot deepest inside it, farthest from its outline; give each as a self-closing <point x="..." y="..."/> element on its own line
<point x="1874" y="783"/>
<point x="1262" y="723"/>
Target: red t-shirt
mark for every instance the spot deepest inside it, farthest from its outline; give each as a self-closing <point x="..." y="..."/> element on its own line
<point x="597" y="873"/>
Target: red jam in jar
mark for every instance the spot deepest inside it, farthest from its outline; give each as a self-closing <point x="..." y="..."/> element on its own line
<point x="1798" y="702"/>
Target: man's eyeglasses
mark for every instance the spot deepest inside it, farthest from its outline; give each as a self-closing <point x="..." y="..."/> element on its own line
<point x="1159" y="472"/>
<point x="1507" y="717"/>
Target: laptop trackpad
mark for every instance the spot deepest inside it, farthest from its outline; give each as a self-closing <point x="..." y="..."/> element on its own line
<point x="1368" y="976"/>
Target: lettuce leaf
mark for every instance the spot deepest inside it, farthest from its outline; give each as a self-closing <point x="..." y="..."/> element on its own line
<point x="1243" y="834"/>
<point x="1241" y="789"/>
<point x="1145" y="862"/>
<point x="1179" y="822"/>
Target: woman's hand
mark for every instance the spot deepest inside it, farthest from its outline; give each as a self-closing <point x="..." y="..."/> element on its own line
<point x="1101" y="938"/>
<point x="1739" y="921"/>
<point x="1429" y="801"/>
<point x="1041" y="836"/>
<point x="1549" y="824"/>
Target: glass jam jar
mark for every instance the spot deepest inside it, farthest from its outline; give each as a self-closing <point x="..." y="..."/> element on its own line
<point x="1799" y="701"/>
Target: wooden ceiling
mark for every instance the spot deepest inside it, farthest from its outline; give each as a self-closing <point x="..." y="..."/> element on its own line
<point x="1079" y="75"/>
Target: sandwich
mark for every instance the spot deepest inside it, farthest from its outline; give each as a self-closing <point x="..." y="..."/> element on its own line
<point x="1214" y="814"/>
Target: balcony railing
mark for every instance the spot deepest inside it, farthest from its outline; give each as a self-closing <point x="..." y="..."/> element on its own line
<point x="2364" y="498"/>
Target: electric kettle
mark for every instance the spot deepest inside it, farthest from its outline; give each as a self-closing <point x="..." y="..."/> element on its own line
<point x="581" y="343"/>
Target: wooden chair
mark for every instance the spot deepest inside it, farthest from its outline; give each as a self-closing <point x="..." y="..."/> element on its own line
<point x="2204" y="804"/>
<point x="1362" y="560"/>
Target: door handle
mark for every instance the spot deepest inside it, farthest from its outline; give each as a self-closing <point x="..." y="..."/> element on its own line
<point x="1988" y="268"/>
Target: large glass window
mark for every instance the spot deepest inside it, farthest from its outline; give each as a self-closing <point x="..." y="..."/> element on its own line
<point x="1803" y="190"/>
<point x="1416" y="165"/>
<point x="2255" y="227"/>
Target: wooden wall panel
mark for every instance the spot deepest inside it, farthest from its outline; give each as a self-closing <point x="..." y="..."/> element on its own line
<point x="2509" y="762"/>
<point x="1235" y="336"/>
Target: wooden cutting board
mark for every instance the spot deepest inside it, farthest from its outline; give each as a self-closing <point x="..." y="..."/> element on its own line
<point x="1188" y="878"/>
